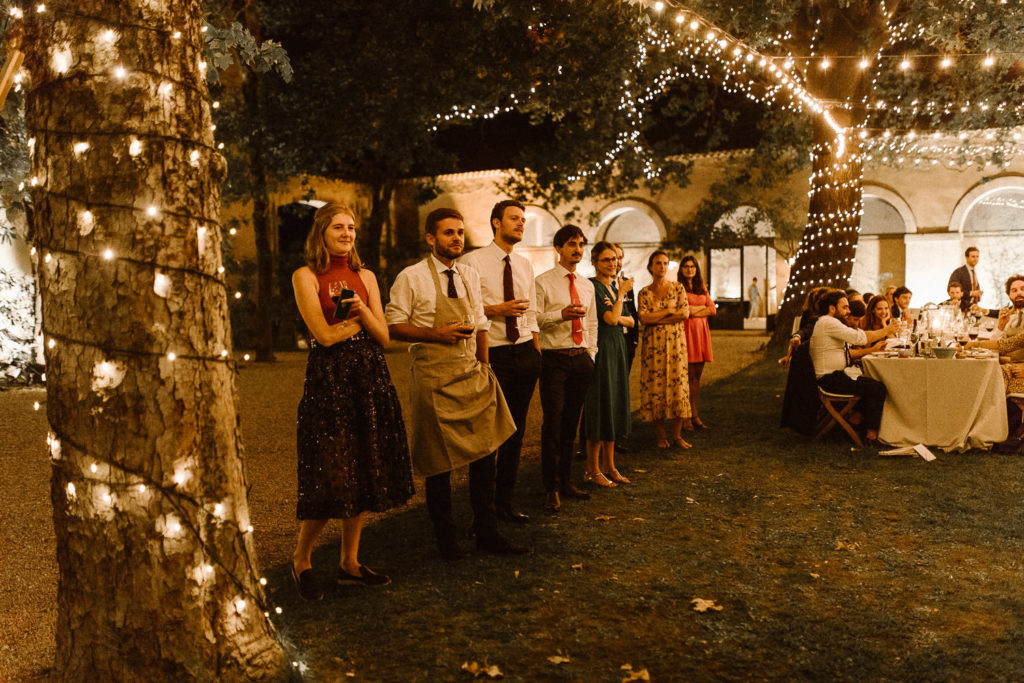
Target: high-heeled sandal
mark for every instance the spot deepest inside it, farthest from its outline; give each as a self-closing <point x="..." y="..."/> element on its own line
<point x="614" y="475"/>
<point x="687" y="424"/>
<point x="698" y="424"/>
<point x="663" y="444"/>
<point x="682" y="443"/>
<point x="598" y="479"/>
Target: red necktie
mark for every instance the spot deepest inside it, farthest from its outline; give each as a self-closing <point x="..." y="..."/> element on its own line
<point x="577" y="323"/>
<point x="511" y="331"/>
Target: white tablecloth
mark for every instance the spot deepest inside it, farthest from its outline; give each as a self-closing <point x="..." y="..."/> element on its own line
<point x="953" y="404"/>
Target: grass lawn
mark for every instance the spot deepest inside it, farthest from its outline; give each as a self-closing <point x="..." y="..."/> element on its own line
<point x="827" y="563"/>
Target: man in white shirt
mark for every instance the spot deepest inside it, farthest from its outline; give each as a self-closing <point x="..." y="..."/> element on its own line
<point x="459" y="415"/>
<point x="567" y="316"/>
<point x="510" y="303"/>
<point x="829" y="349"/>
<point x="1011" y="319"/>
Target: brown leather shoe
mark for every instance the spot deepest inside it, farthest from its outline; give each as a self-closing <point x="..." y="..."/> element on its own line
<point x="570" y="491"/>
<point x="552" y="502"/>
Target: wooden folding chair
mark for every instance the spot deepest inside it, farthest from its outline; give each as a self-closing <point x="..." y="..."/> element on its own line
<point x="836" y="408"/>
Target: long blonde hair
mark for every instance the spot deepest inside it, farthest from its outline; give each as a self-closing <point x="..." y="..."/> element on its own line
<point x="317" y="257"/>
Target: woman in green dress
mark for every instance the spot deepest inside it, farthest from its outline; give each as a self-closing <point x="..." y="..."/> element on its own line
<point x="606" y="409"/>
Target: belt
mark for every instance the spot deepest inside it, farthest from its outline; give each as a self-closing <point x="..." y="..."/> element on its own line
<point x="567" y="352"/>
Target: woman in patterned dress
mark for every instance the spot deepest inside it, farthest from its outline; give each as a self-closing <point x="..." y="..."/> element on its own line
<point x="664" y="388"/>
<point x="698" y="333"/>
<point x="353" y="455"/>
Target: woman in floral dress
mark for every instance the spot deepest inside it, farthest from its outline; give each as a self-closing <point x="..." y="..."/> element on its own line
<point x="664" y="388"/>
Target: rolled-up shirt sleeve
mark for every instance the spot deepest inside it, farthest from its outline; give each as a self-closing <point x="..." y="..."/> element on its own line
<point x="399" y="308"/>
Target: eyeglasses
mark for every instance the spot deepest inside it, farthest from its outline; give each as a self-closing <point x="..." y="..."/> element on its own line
<point x="608" y="259"/>
<point x="688" y="265"/>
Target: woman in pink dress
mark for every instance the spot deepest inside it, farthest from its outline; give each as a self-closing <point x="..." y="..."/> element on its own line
<point x="698" y="334"/>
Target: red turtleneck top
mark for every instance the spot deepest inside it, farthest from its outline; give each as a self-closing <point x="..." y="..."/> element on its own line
<point x="339" y="272"/>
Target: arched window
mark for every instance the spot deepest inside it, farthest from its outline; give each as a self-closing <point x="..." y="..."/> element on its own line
<point x="630" y="225"/>
<point x="881" y="218"/>
<point x="541" y="227"/>
<point x="1001" y="210"/>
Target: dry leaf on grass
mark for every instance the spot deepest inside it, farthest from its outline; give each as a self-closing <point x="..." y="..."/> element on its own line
<point x="843" y="545"/>
<point x="702" y="605"/>
<point x="690" y="500"/>
<point x="641" y="675"/>
<point x="603" y="518"/>
<point x="578" y="566"/>
<point x="640" y="471"/>
<point x="491" y="671"/>
<point x="558" y="659"/>
<point x="815" y="575"/>
<point x="517" y="573"/>
<point x="639" y="519"/>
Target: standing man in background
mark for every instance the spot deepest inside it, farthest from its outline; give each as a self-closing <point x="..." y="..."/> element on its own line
<point x="510" y="304"/>
<point x="755" y="299"/>
<point x="967" y="278"/>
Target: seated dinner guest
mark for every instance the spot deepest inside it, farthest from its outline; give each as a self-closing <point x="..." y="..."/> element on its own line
<point x="901" y="303"/>
<point x="829" y="347"/>
<point x="878" y="314"/>
<point x="956" y="295"/>
<point x="1011" y="319"/>
<point x="1013" y="379"/>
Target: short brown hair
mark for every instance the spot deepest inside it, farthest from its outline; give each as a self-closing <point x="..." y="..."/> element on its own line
<point x="438" y="215"/>
<point x="498" y="212"/>
<point x="317" y="257"/>
<point x="566" y="233"/>
<point x="1009" y="283"/>
<point x="655" y="254"/>
<point x="968" y="251"/>
<point x="829" y="299"/>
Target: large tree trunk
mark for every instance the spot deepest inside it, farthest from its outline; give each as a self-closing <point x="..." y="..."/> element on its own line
<point x="158" y="577"/>
<point x="255" y="147"/>
<point x="826" y="253"/>
<point x="375" y="231"/>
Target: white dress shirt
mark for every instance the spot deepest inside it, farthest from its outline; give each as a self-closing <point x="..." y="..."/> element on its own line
<point x="552" y="297"/>
<point x="489" y="263"/>
<point x="413" y="298"/>
<point x="828" y="344"/>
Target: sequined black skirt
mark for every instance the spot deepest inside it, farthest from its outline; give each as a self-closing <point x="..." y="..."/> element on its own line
<point x="353" y="453"/>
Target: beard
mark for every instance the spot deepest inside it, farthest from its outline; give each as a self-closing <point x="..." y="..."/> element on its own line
<point x="1018" y="303"/>
<point x="447" y="252"/>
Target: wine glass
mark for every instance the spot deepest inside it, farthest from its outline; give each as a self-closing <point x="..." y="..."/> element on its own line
<point x="334" y="288"/>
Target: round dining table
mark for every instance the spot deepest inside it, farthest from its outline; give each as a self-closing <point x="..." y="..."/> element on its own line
<point x="953" y="404"/>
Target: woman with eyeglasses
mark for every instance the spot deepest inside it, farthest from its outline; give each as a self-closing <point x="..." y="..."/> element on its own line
<point x="698" y="334"/>
<point x="606" y="409"/>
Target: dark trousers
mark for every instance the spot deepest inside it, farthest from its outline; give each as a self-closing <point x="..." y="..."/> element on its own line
<point x="564" y="380"/>
<point x="871" y="392"/>
<point x="517" y="368"/>
<point x="438" y="490"/>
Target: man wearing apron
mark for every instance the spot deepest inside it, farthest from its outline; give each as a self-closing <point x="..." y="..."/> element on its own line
<point x="459" y="416"/>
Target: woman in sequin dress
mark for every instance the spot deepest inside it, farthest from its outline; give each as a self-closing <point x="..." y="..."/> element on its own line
<point x="353" y="455"/>
<point x="698" y="333"/>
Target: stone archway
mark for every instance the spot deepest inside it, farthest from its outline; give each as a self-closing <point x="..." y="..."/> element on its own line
<point x="639" y="227"/>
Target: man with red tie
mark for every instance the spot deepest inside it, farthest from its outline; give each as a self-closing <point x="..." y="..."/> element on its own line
<point x="510" y="304"/>
<point x="567" y="317"/>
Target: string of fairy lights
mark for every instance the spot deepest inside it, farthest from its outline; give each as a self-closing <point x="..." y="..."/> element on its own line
<point x="779" y="81"/>
<point x="97" y="486"/>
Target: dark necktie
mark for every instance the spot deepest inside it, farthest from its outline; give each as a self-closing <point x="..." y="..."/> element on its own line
<point x="511" y="331"/>
<point x="577" y="324"/>
<point x="452" y="294"/>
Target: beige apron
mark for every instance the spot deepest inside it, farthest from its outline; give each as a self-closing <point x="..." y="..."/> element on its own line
<point x="458" y="411"/>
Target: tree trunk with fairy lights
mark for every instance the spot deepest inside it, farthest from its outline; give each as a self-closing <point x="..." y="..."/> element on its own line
<point x="826" y="253"/>
<point x="158" y="577"/>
